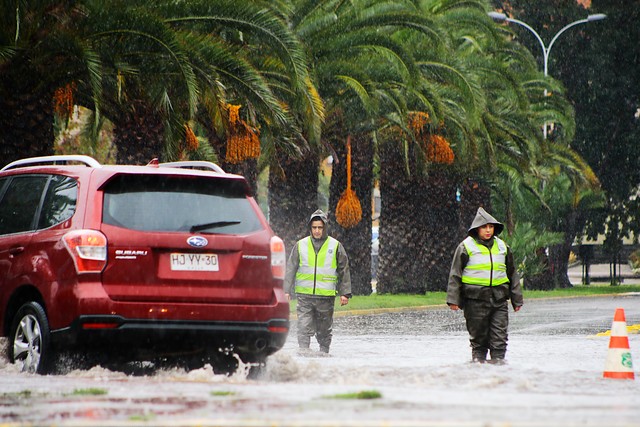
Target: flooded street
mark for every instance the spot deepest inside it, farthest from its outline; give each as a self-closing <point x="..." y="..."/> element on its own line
<point x="417" y="361"/>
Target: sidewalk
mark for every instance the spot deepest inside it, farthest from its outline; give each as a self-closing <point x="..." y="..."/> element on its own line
<point x="599" y="273"/>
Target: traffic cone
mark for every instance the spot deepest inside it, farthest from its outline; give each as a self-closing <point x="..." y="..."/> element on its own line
<point x="619" y="364"/>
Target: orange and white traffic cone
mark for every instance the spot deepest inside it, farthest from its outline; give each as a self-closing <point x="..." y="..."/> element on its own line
<point x="619" y="364"/>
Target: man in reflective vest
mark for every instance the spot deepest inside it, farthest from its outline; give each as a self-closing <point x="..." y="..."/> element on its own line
<point x="481" y="280"/>
<point x="317" y="271"/>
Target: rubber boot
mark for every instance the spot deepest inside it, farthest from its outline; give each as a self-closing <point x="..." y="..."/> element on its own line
<point x="497" y="357"/>
<point x="478" y="356"/>
<point x="303" y="345"/>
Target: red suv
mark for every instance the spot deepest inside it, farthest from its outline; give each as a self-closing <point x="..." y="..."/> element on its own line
<point x="136" y="262"/>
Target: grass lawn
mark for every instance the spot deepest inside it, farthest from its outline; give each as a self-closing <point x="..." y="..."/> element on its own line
<point x="387" y="302"/>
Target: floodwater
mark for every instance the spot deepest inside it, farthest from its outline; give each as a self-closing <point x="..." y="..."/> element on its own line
<point x="417" y="361"/>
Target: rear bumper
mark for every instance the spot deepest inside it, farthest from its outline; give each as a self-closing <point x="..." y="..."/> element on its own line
<point x="157" y="337"/>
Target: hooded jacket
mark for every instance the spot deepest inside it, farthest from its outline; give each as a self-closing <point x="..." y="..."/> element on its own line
<point x="457" y="291"/>
<point x="483" y="218"/>
<point x="343" y="286"/>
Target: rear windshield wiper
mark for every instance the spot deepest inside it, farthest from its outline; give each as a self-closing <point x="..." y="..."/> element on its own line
<point x="217" y="224"/>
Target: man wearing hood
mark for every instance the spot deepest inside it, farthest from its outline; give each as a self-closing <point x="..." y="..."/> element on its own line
<point x="481" y="280"/>
<point x="317" y="271"/>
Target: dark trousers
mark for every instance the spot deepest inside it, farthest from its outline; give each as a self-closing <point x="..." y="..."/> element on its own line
<point x="487" y="323"/>
<point x="315" y="317"/>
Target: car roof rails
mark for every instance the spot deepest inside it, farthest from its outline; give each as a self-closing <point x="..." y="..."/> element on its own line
<point x="194" y="164"/>
<point x="54" y="160"/>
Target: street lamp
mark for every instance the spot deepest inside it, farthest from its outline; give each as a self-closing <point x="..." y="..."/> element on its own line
<point x="546" y="50"/>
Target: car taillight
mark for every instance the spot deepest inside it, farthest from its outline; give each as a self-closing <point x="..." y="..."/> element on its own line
<point x="88" y="248"/>
<point x="278" y="258"/>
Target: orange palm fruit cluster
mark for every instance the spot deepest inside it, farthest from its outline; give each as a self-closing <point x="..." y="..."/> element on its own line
<point x="63" y="100"/>
<point x="436" y="147"/>
<point x="438" y="150"/>
<point x="417" y="121"/>
<point x="242" y="142"/>
<point x="190" y="138"/>
<point x="348" y="209"/>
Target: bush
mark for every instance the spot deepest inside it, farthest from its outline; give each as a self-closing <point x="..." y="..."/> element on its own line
<point x="528" y="244"/>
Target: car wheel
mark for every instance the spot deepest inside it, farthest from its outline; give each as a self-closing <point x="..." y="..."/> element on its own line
<point x="257" y="365"/>
<point x="30" y="346"/>
<point x="223" y="363"/>
<point x="257" y="370"/>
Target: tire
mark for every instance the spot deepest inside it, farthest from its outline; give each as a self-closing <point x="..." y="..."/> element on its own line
<point x="257" y="371"/>
<point x="257" y="365"/>
<point x="30" y="340"/>
<point x="223" y="363"/>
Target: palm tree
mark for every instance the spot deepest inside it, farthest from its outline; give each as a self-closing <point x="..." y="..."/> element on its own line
<point x="357" y="66"/>
<point x="42" y="53"/>
<point x="151" y="70"/>
<point x="412" y="205"/>
<point x="93" y="46"/>
<point x="198" y="61"/>
<point x="491" y="91"/>
<point x="422" y="211"/>
<point x="250" y="61"/>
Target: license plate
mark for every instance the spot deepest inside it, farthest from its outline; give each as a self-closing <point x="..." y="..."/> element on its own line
<point x="194" y="262"/>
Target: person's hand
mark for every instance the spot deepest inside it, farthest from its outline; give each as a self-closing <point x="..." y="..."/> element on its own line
<point x="517" y="308"/>
<point x="344" y="300"/>
<point x="288" y="296"/>
<point x="454" y="307"/>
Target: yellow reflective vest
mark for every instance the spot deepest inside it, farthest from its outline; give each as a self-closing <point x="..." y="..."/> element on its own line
<point x="485" y="267"/>
<point x="317" y="273"/>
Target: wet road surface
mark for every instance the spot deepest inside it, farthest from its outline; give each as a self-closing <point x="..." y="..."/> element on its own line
<point x="418" y="362"/>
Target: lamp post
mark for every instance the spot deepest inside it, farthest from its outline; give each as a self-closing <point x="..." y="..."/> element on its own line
<point x="546" y="50"/>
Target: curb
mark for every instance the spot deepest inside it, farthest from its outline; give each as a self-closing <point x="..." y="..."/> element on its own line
<point x="384" y="310"/>
<point x="364" y="312"/>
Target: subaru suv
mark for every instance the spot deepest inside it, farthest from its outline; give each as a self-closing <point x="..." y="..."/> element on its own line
<point x="136" y="262"/>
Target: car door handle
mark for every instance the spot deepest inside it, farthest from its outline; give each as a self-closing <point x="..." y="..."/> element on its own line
<point x="15" y="251"/>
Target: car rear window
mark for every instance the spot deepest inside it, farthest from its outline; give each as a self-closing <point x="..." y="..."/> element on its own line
<point x="180" y="204"/>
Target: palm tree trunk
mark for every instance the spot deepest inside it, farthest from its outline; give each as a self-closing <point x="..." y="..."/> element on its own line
<point x="555" y="274"/>
<point x="139" y="135"/>
<point x="419" y="225"/>
<point x="399" y="260"/>
<point x="26" y="125"/>
<point x="356" y="240"/>
<point x="559" y="254"/>
<point x="559" y="264"/>
<point x="293" y="196"/>
<point x="248" y="169"/>
<point x="442" y="212"/>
